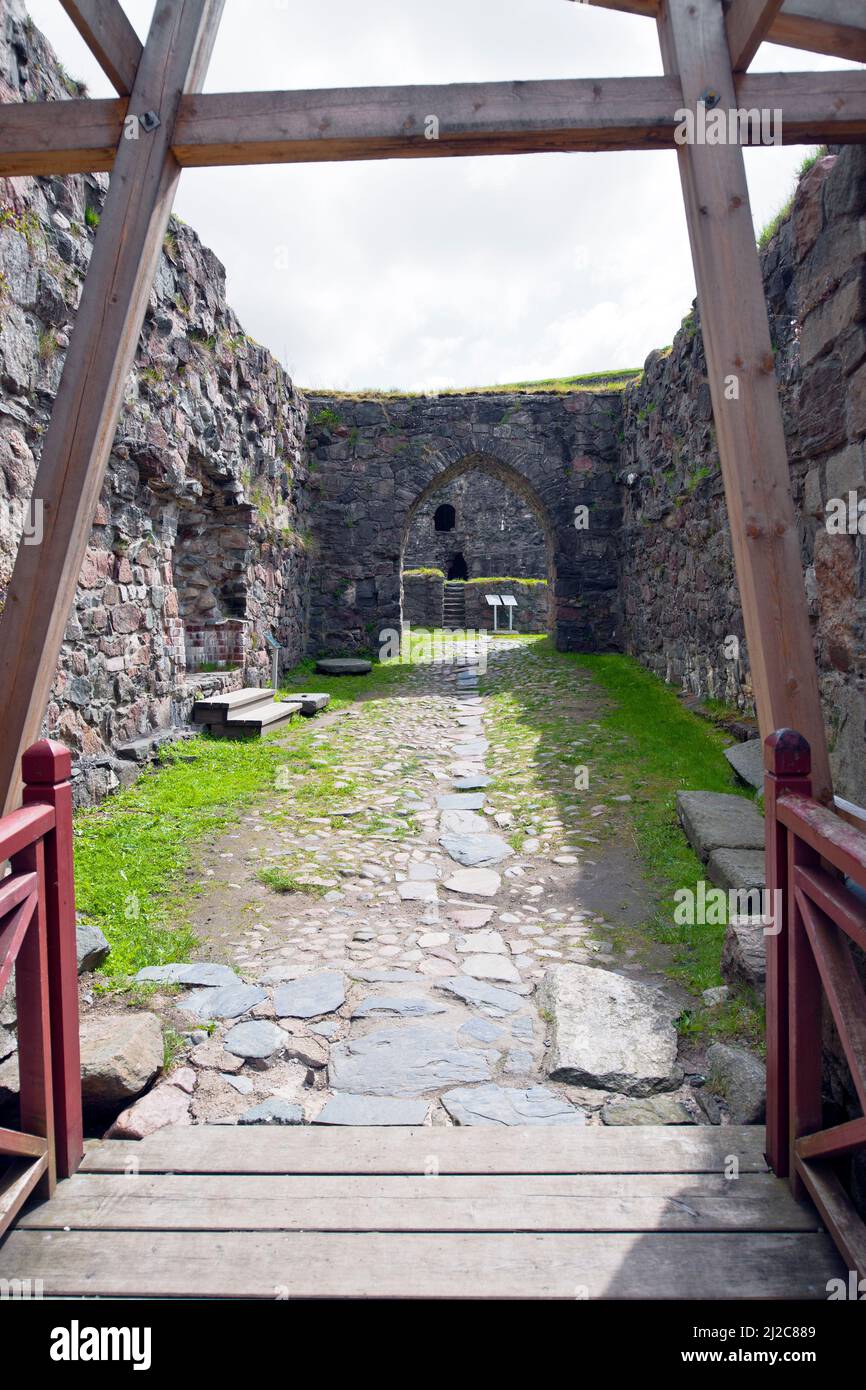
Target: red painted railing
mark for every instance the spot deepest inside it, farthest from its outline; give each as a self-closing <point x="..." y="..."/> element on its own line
<point x="814" y="857"/>
<point x="37" y="938"/>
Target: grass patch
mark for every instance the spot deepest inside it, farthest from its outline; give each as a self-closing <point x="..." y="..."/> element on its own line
<point x="134" y="853"/>
<point x="611" y="381"/>
<point x="281" y="881"/>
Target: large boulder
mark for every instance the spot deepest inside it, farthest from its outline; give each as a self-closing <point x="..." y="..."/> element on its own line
<point x="609" y="1032"/>
<point x="120" y="1056"/>
<point x="741" y="1081"/>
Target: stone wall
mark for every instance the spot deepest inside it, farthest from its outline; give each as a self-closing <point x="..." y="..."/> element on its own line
<point x="423" y="598"/>
<point x="679" y="600"/>
<point x="376" y="461"/>
<point x="532" y="613"/>
<point x="200" y="541"/>
<point x="493" y="532"/>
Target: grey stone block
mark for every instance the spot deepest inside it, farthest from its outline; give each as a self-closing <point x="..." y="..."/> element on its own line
<point x="718" y="820"/>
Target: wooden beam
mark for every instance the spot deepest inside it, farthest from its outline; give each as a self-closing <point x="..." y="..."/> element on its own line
<point x="389" y="122"/>
<point x="745" y="397"/>
<point x="110" y="37"/>
<point x="837" y="27"/>
<point x="89" y="398"/>
<point x="53" y="137"/>
<point x="748" y="23"/>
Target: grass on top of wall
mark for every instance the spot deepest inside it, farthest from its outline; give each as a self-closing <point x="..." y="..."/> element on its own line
<point x="615" y="380"/>
<point x="134" y="852"/>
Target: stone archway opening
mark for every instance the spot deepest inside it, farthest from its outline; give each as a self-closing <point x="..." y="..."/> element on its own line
<point x="478" y="520"/>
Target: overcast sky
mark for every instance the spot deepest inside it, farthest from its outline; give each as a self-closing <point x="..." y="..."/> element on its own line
<point x="424" y="274"/>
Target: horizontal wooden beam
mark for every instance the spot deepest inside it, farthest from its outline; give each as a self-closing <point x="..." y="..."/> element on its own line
<point x="361" y="123"/>
<point x="53" y="137"/>
<point x="110" y="37"/>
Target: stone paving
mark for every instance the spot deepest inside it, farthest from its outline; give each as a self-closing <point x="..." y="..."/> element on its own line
<point x="411" y="990"/>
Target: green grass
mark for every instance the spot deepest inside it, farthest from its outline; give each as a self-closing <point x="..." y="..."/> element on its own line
<point x="615" y="380"/>
<point x="769" y="231"/>
<point x="664" y="748"/>
<point x="134" y="853"/>
<point x="281" y="881"/>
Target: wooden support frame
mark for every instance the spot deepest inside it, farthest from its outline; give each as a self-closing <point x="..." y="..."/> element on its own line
<point x="104" y="26"/>
<point x="748" y="23"/>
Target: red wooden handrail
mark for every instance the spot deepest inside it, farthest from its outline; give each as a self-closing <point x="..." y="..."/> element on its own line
<point x="37" y="936"/>
<point x="813" y="855"/>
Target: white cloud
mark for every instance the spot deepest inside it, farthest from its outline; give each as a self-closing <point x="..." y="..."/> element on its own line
<point x="435" y="273"/>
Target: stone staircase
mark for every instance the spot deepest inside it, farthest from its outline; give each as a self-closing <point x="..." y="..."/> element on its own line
<point x="250" y="712"/>
<point x="454" y="605"/>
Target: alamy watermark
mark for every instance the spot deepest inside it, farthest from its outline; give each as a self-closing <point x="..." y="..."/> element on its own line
<point x="708" y="906"/>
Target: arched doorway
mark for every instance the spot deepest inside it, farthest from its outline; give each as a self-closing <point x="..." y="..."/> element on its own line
<point x="457" y="567"/>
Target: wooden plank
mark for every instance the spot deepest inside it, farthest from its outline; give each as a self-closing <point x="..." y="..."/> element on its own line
<point x="839" y="903"/>
<point x="837" y="27"/>
<point x="47" y="768"/>
<point x="749" y="427"/>
<point x="835" y="839"/>
<point x="12" y="935"/>
<point x="13" y="890"/>
<point x="136" y="1264"/>
<point x="50" y="137"/>
<point x="805" y="1008"/>
<point x="832" y="1143"/>
<point x="20" y="828"/>
<point x="843" y="1221"/>
<point x="393" y="122"/>
<point x="110" y="37"/>
<point x="748" y="23"/>
<point x="842" y="986"/>
<point x="389" y="123"/>
<point x="36" y="1099"/>
<point x="17" y="1183"/>
<point x="22" y="1145"/>
<point x="86" y="408"/>
<point x="521" y="1149"/>
<point x="591" y="1202"/>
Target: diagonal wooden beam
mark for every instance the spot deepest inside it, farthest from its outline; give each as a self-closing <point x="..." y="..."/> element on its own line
<point x="110" y="37"/>
<point x="837" y="27"/>
<point x="745" y="397"/>
<point x="89" y="398"/>
<point x="748" y="23"/>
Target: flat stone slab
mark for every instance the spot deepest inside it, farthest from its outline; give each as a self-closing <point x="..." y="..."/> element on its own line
<point x="418" y="891"/>
<point x="471" y="748"/>
<point x="462" y="823"/>
<point x="311" y="702"/>
<point x="477" y="992"/>
<point x="404" y="1061"/>
<point x="343" y="666"/>
<point x="372" y="1110"/>
<point x="471" y="784"/>
<point x="311" y="995"/>
<point x="489" y="943"/>
<point x="653" y="1110"/>
<point x="482" y="883"/>
<point x="472" y="850"/>
<point x="609" y="1032"/>
<point x="480" y="1031"/>
<point x="406" y="1005"/>
<point x="372" y="976"/>
<point x="274" y="1111"/>
<point x="718" y="820"/>
<point x="229" y="1001"/>
<point x="747" y="760"/>
<point x="257" y="1039"/>
<point x="484" y="967"/>
<point x="455" y="801"/>
<point x="740" y="869"/>
<point x="195" y="973"/>
<point x="504" y="1105"/>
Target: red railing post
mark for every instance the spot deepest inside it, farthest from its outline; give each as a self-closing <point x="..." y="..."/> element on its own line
<point x="787" y="765"/>
<point x="46" y="768"/>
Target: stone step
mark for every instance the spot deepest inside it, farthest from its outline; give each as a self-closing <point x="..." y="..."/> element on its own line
<point x="215" y="709"/>
<point x="311" y="702"/>
<point x="264" y="715"/>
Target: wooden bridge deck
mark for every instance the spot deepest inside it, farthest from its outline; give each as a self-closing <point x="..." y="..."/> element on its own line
<point x="219" y="1212"/>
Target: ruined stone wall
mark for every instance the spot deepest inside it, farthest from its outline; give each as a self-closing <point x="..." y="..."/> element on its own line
<point x="494" y="532"/>
<point x="423" y="599"/>
<point x="532" y="613"/>
<point x="376" y="462"/>
<point x="200" y="541"/>
<point x="679" y="600"/>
